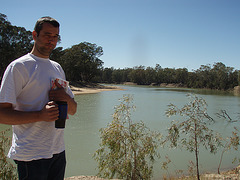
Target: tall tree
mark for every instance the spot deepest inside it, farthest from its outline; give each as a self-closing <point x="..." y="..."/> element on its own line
<point x="14" y="42"/>
<point x="181" y="75"/>
<point x="223" y="76"/>
<point x="137" y="75"/>
<point x="81" y="62"/>
<point x="204" y="77"/>
<point x="238" y="77"/>
<point x="57" y="54"/>
<point x="150" y="75"/>
<point x="107" y="75"/>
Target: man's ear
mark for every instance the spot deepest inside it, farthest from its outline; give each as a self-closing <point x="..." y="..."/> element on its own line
<point x="34" y="35"/>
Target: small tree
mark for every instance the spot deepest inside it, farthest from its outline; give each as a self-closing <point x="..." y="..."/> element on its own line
<point x="7" y="171"/>
<point x="192" y="131"/>
<point x="231" y="142"/>
<point x="127" y="150"/>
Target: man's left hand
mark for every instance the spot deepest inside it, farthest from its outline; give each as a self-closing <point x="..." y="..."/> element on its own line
<point x="58" y="94"/>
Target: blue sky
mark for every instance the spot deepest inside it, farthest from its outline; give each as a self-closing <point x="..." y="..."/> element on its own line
<point x="172" y="33"/>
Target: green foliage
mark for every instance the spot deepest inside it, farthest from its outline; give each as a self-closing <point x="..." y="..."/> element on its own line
<point x="57" y="54"/>
<point x="192" y="130"/>
<point x="127" y="150"/>
<point x="217" y="77"/>
<point x="81" y="62"/>
<point x="7" y="171"/>
<point x="239" y="78"/>
<point x="14" y="42"/>
<point x="137" y="75"/>
<point x="107" y="75"/>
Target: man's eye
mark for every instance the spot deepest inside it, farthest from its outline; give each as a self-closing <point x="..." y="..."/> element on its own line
<point x="47" y="36"/>
<point x="51" y="37"/>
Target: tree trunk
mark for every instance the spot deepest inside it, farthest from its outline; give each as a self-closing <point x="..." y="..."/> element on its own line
<point x="196" y="154"/>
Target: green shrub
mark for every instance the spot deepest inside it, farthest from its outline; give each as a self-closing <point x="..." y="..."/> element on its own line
<point x="127" y="150"/>
<point x="7" y="171"/>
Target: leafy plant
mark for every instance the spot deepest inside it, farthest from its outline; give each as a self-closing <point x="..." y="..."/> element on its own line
<point x="14" y="42"/>
<point x="192" y="130"/>
<point x="231" y="142"/>
<point x="127" y="149"/>
<point x="8" y="171"/>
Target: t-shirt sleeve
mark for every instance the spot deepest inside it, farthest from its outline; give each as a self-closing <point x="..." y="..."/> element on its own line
<point x="12" y="83"/>
<point x="69" y="91"/>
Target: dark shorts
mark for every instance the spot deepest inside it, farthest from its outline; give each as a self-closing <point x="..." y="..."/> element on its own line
<point x="43" y="169"/>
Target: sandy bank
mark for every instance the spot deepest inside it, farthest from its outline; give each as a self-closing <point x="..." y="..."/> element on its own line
<point x="233" y="174"/>
<point x="93" y="89"/>
<point x="85" y="178"/>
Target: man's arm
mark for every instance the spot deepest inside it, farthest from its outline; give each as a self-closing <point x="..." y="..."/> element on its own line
<point x="13" y="117"/>
<point x="60" y="95"/>
<point x="72" y="106"/>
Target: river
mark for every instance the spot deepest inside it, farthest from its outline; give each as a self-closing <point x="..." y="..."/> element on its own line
<point x="95" y="112"/>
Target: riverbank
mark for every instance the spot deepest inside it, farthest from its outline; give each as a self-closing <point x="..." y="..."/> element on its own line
<point x="232" y="174"/>
<point x="235" y="90"/>
<point x="90" y="88"/>
<point x="85" y="178"/>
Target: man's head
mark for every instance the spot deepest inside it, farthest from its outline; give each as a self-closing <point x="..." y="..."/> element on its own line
<point x="46" y="36"/>
<point x="46" y="19"/>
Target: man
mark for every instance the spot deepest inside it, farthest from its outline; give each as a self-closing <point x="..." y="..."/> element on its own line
<point x="28" y="103"/>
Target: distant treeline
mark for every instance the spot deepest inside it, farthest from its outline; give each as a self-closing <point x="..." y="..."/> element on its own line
<point x="82" y="63"/>
<point x="217" y="76"/>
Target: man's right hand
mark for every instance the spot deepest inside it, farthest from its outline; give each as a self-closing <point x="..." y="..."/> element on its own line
<point x="14" y="117"/>
<point x="50" y="112"/>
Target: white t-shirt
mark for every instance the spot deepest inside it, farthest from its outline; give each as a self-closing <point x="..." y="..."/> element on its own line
<point x="26" y="84"/>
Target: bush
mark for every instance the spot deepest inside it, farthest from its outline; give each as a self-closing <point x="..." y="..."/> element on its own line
<point x="127" y="150"/>
<point x="8" y="171"/>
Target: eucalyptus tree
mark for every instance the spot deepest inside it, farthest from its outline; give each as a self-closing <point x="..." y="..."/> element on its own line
<point x="81" y="62"/>
<point x="137" y="75"/>
<point x="107" y="75"/>
<point x="14" y="42"/>
<point x="57" y="54"/>
<point x="127" y="149"/>
<point x="238" y="77"/>
<point x="150" y="75"/>
<point x="192" y="130"/>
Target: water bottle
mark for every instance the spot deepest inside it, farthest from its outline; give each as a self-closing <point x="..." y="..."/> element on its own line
<point x="63" y="108"/>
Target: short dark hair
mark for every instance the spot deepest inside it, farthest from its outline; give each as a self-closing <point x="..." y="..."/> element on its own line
<point x="46" y="19"/>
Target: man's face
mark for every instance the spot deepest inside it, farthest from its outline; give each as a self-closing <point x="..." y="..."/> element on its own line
<point x="46" y="40"/>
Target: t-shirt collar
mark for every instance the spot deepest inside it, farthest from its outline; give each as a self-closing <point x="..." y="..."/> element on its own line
<point x="39" y="58"/>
